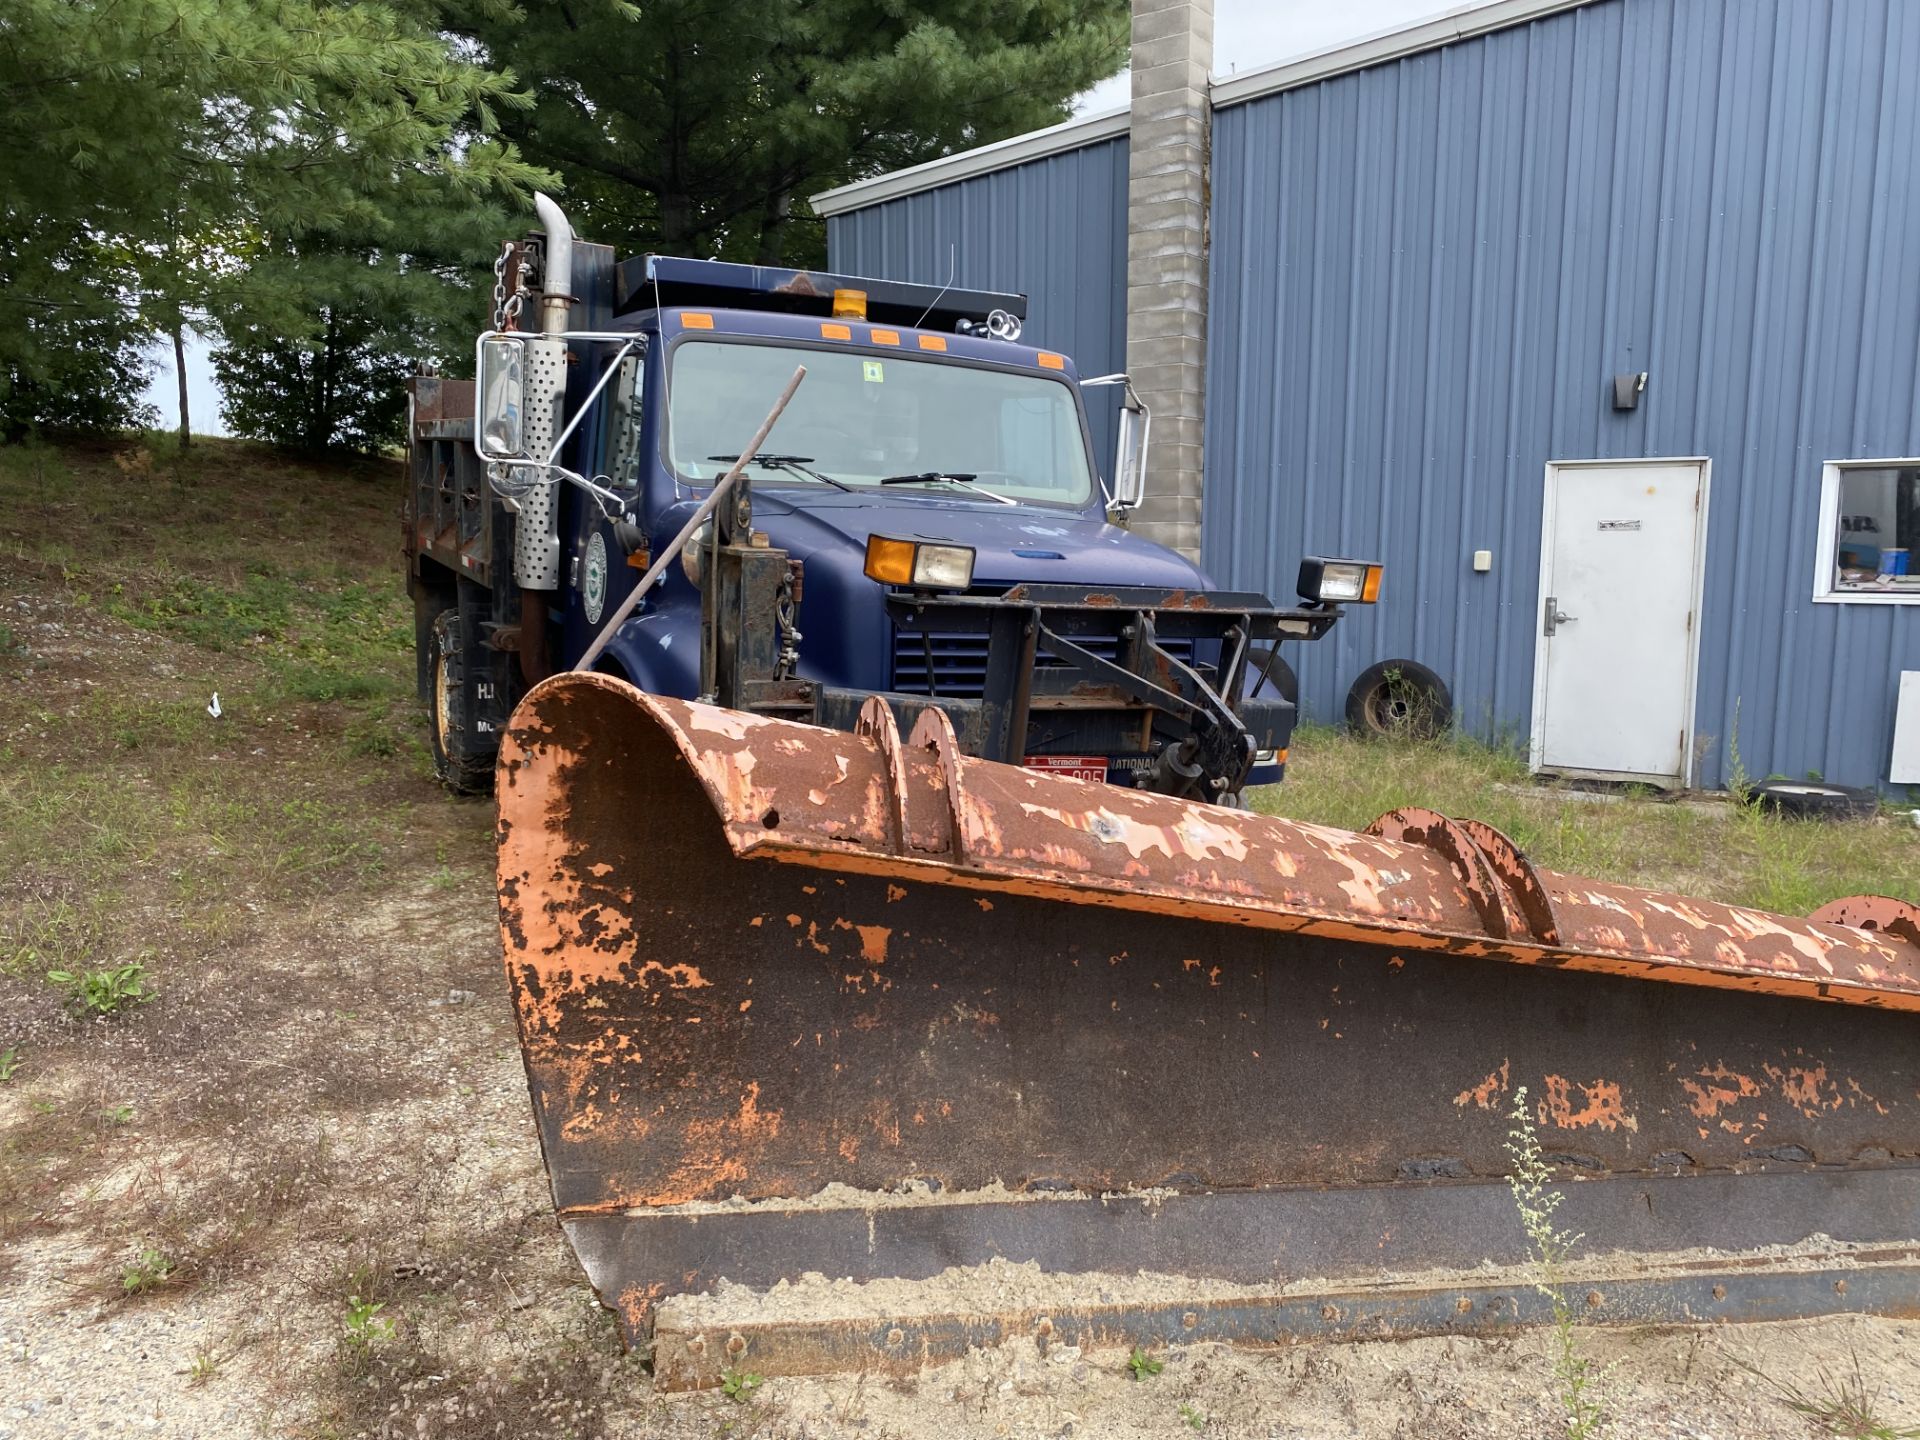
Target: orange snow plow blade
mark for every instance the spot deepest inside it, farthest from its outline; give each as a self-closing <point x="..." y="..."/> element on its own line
<point x="795" y="1000"/>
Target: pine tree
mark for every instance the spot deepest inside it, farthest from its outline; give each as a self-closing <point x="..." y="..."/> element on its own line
<point x="152" y="152"/>
<point x="702" y="128"/>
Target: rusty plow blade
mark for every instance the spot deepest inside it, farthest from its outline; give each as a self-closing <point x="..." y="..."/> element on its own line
<point x="795" y="1000"/>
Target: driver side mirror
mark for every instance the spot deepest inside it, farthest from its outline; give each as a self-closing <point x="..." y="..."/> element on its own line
<point x="500" y="400"/>
<point x="1130" y="454"/>
<point x="1130" y="451"/>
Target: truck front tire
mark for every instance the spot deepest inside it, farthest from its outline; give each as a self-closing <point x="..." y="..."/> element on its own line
<point x="463" y="763"/>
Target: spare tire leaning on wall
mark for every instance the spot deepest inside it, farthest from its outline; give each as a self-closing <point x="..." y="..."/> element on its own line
<point x="1399" y="700"/>
<point x="1814" y="800"/>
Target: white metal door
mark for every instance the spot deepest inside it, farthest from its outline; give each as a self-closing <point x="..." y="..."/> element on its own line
<point x="1621" y="560"/>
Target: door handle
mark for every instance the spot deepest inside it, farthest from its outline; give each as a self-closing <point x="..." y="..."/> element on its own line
<point x="1554" y="619"/>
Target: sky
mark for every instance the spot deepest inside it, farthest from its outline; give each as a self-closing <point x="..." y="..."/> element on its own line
<point x="1250" y="33"/>
<point x="1246" y="35"/>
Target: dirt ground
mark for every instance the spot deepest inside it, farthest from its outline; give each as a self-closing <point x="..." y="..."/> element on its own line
<point x="298" y="1193"/>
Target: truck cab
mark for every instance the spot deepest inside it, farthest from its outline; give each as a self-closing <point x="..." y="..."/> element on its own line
<point x="925" y="520"/>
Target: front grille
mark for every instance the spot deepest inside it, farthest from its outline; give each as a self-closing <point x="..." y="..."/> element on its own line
<point x="960" y="661"/>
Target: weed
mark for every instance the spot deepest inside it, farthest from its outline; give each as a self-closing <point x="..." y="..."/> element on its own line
<point x="1193" y="1418"/>
<point x="9" y="1062"/>
<point x="1575" y="1376"/>
<point x="104" y="992"/>
<point x="1739" y="782"/>
<point x="1844" y="1406"/>
<point x="739" y="1385"/>
<point x="204" y="1365"/>
<point x="152" y="1269"/>
<point x="365" y="1326"/>
<point x="1143" y="1365"/>
<point x="118" y="1115"/>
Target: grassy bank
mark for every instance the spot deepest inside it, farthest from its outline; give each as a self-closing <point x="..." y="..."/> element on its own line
<point x="1702" y="846"/>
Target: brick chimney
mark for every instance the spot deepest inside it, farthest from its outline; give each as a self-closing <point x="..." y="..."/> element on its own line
<point x="1167" y="255"/>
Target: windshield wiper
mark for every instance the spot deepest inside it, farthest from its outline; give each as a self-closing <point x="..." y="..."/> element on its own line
<point x="963" y="478"/>
<point x="795" y="464"/>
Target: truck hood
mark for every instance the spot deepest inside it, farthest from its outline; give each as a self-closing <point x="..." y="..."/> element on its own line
<point x="1012" y="544"/>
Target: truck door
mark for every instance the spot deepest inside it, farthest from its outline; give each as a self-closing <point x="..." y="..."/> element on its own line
<point x="594" y="568"/>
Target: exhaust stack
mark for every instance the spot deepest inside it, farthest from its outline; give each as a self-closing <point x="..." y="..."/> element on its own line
<point x="556" y="287"/>
<point x="536" y="532"/>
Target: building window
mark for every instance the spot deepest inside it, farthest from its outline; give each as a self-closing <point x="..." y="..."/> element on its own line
<point x="1869" y="551"/>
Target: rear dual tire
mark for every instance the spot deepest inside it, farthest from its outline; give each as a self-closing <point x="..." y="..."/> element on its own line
<point x="461" y="762"/>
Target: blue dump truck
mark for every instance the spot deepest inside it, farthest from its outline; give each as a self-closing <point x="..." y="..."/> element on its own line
<point x="926" y="521"/>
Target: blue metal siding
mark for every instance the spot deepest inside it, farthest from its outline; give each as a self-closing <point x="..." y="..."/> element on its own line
<point x="1054" y="229"/>
<point x="1425" y="274"/>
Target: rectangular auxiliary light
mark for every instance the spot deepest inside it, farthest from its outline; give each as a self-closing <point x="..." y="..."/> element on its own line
<point x="1339" y="582"/>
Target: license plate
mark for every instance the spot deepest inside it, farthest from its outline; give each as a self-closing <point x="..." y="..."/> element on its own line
<point x="1079" y="767"/>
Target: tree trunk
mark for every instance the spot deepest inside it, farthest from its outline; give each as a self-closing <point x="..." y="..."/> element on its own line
<point x="322" y="436"/>
<point x="180" y="374"/>
<point x="676" y="222"/>
<point x="773" y="227"/>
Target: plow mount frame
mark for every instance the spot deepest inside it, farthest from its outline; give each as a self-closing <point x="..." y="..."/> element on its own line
<point x="797" y="1000"/>
<point x="1182" y="725"/>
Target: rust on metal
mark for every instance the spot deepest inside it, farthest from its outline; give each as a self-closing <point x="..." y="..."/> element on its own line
<point x="1894" y="918"/>
<point x="752" y="959"/>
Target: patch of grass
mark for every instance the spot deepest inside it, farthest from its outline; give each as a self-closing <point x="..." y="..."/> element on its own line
<point x="104" y="992"/>
<point x="204" y="1366"/>
<point x="365" y="1325"/>
<point x="1844" y="1406"/>
<point x="1576" y="1379"/>
<point x="10" y="1062"/>
<point x="1192" y="1417"/>
<point x="1143" y="1366"/>
<point x="739" y="1385"/>
<point x="151" y="1270"/>
<point x="1704" y="847"/>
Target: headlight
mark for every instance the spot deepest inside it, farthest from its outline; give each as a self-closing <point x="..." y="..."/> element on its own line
<point x="924" y="567"/>
<point x="691" y="552"/>
<point x="1339" y="581"/>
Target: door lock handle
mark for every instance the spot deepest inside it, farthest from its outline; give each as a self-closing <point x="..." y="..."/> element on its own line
<point x="1554" y="619"/>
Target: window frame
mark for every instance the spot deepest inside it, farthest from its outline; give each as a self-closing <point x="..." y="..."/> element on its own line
<point x="1827" y="546"/>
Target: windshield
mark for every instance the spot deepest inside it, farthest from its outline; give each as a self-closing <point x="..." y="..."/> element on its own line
<point x="862" y="419"/>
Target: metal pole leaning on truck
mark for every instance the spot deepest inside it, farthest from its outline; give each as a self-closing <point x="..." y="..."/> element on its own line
<point x="687" y="531"/>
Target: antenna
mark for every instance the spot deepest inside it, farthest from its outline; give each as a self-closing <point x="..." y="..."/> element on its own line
<point x="953" y="268"/>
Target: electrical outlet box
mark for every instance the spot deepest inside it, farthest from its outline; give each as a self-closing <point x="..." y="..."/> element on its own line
<point x="1482" y="561"/>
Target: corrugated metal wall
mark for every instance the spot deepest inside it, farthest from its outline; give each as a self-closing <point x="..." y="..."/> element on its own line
<point x="1054" y="229"/>
<point x="1425" y="273"/>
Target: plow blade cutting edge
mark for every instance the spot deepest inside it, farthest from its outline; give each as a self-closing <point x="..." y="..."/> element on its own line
<point x="799" y="1000"/>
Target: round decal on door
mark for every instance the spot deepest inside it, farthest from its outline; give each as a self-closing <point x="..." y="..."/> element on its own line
<point x="593" y="579"/>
